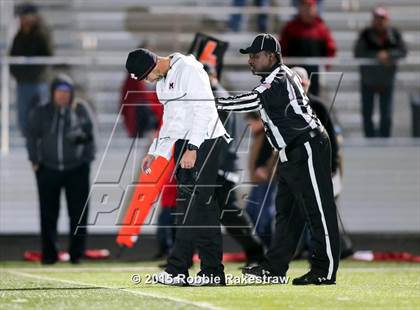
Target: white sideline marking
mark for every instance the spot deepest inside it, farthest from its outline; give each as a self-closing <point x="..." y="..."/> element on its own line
<point x="203" y="305"/>
<point x="84" y="269"/>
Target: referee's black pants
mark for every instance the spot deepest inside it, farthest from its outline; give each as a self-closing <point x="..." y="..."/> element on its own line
<point x="305" y="195"/>
<point x="197" y="220"/>
<point x="75" y="183"/>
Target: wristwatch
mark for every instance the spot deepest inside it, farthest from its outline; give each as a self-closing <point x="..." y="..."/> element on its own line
<point x="192" y="147"/>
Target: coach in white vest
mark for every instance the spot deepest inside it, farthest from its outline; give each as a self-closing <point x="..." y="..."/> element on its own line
<point x="192" y="128"/>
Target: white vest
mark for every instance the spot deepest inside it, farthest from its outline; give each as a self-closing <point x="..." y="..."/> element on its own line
<point x="189" y="110"/>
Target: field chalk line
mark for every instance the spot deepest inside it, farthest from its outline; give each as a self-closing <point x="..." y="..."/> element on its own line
<point x="203" y="305"/>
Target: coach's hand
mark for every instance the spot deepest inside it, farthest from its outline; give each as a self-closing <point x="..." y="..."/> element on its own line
<point x="188" y="159"/>
<point x="147" y="162"/>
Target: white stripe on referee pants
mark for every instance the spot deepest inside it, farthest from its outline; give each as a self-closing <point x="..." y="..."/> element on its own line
<point x="321" y="211"/>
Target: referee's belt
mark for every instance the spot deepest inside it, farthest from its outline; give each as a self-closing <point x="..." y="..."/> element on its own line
<point x="299" y="141"/>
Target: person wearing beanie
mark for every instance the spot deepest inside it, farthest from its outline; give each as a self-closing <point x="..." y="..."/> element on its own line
<point x="304" y="186"/>
<point x="192" y="131"/>
<point x="60" y="144"/>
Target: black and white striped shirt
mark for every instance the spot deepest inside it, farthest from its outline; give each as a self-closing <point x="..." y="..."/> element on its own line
<point x="282" y="104"/>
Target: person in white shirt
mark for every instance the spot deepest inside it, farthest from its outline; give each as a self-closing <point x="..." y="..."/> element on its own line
<point x="192" y="131"/>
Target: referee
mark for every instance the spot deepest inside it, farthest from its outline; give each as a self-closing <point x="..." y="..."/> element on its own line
<point x="305" y="192"/>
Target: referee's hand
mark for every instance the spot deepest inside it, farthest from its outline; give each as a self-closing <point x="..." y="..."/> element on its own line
<point x="188" y="159"/>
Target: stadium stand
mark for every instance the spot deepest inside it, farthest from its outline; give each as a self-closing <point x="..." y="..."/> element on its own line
<point x="112" y="28"/>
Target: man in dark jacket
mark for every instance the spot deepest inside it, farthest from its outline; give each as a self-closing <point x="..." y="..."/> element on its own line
<point x="307" y="35"/>
<point x="384" y="43"/>
<point x="32" y="39"/>
<point x="61" y="147"/>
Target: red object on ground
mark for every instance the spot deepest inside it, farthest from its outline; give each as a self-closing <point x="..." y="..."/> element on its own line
<point x="239" y="257"/>
<point x="371" y="256"/>
<point x="395" y="257"/>
<point x="145" y="195"/>
<point x="97" y="253"/>
<point x="36" y="256"/>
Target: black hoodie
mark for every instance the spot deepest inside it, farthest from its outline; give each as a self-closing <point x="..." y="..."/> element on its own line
<point x="61" y="138"/>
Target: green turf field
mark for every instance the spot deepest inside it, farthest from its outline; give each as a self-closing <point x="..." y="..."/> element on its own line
<point x="110" y="286"/>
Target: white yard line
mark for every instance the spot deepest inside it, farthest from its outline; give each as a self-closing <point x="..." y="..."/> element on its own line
<point x="203" y="305"/>
<point x="83" y="269"/>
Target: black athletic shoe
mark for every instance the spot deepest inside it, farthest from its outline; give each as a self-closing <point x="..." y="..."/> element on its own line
<point x="346" y="253"/>
<point x="75" y="261"/>
<point x="264" y="275"/>
<point x="49" y="261"/>
<point x="312" y="278"/>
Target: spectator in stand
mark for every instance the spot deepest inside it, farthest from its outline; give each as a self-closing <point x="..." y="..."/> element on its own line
<point x="61" y="146"/>
<point x="141" y="109"/>
<point x="384" y="43"/>
<point x="235" y="21"/>
<point x="262" y="162"/>
<point x="319" y="5"/>
<point x="32" y="39"/>
<point x="307" y="35"/>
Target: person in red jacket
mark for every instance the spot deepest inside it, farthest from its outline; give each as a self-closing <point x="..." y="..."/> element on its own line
<point x="307" y="35"/>
<point x="141" y="110"/>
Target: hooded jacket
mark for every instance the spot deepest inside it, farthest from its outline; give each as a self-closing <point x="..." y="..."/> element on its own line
<point x="61" y="138"/>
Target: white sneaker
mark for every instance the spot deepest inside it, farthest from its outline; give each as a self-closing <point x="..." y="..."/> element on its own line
<point x="204" y="280"/>
<point x="169" y="279"/>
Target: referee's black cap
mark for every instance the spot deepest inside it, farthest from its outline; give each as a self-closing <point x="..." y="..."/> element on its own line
<point x="140" y="63"/>
<point x="263" y="42"/>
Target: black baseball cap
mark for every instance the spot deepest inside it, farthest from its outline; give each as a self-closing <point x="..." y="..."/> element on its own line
<point x="140" y="63"/>
<point x="262" y="42"/>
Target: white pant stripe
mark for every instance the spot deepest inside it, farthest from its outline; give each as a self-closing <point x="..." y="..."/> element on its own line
<point x="321" y="211"/>
<point x="282" y="153"/>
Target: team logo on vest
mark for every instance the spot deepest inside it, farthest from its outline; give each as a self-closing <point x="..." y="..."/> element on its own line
<point x="171" y="85"/>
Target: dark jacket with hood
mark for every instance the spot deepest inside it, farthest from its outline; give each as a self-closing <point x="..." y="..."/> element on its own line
<point x="61" y="138"/>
